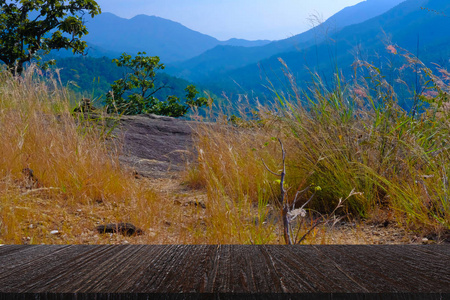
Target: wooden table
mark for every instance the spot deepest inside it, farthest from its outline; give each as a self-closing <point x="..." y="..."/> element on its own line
<point x="224" y="272"/>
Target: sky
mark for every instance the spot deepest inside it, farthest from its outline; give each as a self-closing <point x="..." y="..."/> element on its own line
<point x="225" y="19"/>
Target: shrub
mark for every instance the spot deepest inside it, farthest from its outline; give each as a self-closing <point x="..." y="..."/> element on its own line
<point x="139" y="86"/>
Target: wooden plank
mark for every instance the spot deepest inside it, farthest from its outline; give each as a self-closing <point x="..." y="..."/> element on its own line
<point x="19" y="254"/>
<point x="435" y="250"/>
<point x="297" y="264"/>
<point x="83" y="271"/>
<point x="391" y="268"/>
<point x="227" y="270"/>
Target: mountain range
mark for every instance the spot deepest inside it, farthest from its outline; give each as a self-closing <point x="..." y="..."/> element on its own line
<point x="420" y="26"/>
<point x="184" y="49"/>
<point x="225" y="58"/>
<point x="110" y="35"/>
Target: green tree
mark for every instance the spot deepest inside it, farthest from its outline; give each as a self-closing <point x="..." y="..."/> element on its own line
<point x="134" y="93"/>
<point x="55" y="24"/>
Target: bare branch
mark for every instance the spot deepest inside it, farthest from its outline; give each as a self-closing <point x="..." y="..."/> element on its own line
<point x="304" y="236"/>
<point x="308" y="200"/>
<point x="284" y="154"/>
<point x="298" y="230"/>
<point x="267" y="168"/>
<point x="158" y="89"/>
<point x="296" y="196"/>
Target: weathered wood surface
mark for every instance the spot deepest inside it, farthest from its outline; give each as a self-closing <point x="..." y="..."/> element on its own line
<point x="130" y="271"/>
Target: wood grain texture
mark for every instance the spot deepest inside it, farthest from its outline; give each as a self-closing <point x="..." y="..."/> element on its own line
<point x="220" y="272"/>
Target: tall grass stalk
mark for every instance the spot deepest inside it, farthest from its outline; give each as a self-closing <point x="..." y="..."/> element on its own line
<point x="354" y="137"/>
<point x="77" y="182"/>
<point x="237" y="198"/>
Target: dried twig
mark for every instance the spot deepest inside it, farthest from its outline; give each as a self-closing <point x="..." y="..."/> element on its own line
<point x="304" y="236"/>
<point x="284" y="204"/>
<point x="38" y="190"/>
<point x="290" y="213"/>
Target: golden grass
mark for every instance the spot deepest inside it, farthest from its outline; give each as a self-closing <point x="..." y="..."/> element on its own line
<point x="230" y="171"/>
<point x="341" y="141"/>
<point x="398" y="165"/>
<point x="80" y="183"/>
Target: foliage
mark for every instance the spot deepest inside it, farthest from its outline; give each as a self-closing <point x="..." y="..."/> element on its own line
<point x="58" y="24"/>
<point x="134" y="93"/>
<point x="92" y="78"/>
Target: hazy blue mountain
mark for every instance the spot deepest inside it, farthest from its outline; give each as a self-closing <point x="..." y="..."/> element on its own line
<point x="350" y="15"/>
<point x="406" y="25"/>
<point x="169" y="40"/>
<point x="92" y="50"/>
<point x="245" y="43"/>
<point x="110" y="35"/>
<point x="225" y="58"/>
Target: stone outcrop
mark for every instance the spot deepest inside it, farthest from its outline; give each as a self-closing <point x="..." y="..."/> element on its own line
<point x="155" y="146"/>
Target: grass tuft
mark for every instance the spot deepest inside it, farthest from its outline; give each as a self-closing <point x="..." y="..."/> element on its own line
<point x="351" y="137"/>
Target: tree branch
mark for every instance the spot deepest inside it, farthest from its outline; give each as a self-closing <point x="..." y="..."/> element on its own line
<point x="267" y="168"/>
<point x="304" y="236"/>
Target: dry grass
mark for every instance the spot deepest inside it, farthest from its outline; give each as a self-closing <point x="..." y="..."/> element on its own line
<point x="79" y="181"/>
<point x="397" y="163"/>
<point x="352" y="137"/>
<point x="229" y="169"/>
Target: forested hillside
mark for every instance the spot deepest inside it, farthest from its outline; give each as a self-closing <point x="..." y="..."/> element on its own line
<point x="93" y="77"/>
<point x="422" y="32"/>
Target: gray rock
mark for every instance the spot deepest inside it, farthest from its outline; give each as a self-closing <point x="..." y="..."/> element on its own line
<point x="122" y="228"/>
<point x="154" y="146"/>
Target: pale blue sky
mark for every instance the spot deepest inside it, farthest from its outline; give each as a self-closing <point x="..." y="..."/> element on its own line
<point x="224" y="19"/>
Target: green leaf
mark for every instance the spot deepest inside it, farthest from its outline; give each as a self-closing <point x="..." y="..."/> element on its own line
<point x="26" y="37"/>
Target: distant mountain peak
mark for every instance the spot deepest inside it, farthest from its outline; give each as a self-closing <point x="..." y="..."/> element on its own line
<point x="223" y="59"/>
<point x="245" y="43"/>
<point x="170" y="40"/>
